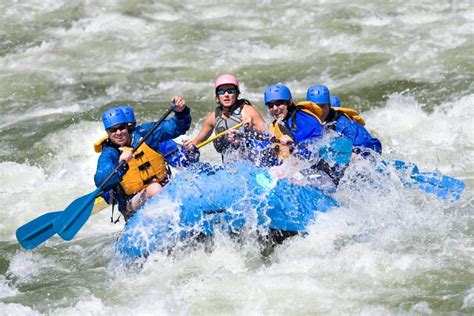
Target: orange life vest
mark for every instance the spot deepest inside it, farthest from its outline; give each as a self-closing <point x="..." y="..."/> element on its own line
<point x="307" y="107"/>
<point x="352" y="114"/>
<point x="146" y="166"/>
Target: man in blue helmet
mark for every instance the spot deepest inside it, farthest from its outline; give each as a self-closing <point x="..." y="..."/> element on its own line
<point x="146" y="171"/>
<point x="339" y="120"/>
<point x="298" y="128"/>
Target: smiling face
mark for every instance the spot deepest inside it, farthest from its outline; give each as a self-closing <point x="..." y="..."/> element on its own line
<point x="279" y="109"/>
<point x="227" y="95"/>
<point x="119" y="135"/>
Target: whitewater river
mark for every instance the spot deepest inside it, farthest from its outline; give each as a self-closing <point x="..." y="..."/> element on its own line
<point x="408" y="66"/>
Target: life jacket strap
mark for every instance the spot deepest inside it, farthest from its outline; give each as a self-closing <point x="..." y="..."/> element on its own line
<point x="144" y="166"/>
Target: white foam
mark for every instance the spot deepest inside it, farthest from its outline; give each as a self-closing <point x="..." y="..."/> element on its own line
<point x="17" y="309"/>
<point x="6" y="289"/>
<point x="437" y="140"/>
<point x="27" y="266"/>
<point x="468" y="301"/>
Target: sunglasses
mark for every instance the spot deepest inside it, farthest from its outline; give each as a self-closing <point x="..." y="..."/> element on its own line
<point x="120" y="127"/>
<point x="228" y="90"/>
<point x="277" y="103"/>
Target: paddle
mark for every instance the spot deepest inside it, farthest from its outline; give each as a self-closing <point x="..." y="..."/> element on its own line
<point x="204" y="143"/>
<point x="68" y="222"/>
<point x="213" y="138"/>
<point x="33" y="233"/>
<point x="444" y="187"/>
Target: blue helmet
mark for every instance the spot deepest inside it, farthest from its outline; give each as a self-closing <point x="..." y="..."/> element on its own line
<point x="129" y="113"/>
<point x="318" y="94"/>
<point x="335" y="102"/>
<point x="276" y="92"/>
<point x="112" y="117"/>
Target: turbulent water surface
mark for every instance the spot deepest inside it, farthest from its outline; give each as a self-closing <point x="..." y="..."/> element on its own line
<point x="407" y="65"/>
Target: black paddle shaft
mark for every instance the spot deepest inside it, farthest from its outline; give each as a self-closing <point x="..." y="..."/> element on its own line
<point x="142" y="140"/>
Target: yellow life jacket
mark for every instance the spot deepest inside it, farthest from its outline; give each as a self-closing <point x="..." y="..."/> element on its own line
<point x="307" y="107"/>
<point x="146" y="166"/>
<point x="283" y="151"/>
<point x="311" y="108"/>
<point x="352" y="114"/>
<point x="98" y="144"/>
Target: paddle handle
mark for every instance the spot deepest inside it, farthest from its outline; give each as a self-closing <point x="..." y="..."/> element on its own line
<point x="142" y="140"/>
<point x="213" y="138"/>
<point x="204" y="143"/>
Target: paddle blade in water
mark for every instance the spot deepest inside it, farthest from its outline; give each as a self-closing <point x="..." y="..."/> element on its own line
<point x="37" y="231"/>
<point x="445" y="187"/>
<point x="75" y="216"/>
<point x="442" y="186"/>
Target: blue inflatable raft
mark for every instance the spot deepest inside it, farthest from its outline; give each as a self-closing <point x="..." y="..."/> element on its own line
<point x="231" y="199"/>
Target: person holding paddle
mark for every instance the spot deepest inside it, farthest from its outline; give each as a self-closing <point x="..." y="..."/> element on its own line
<point x="229" y="112"/>
<point x="297" y="128"/>
<point x="145" y="170"/>
<point x="175" y="155"/>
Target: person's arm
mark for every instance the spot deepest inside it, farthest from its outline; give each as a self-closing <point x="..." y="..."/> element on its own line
<point x="257" y="122"/>
<point x="108" y="160"/>
<point x="308" y="132"/>
<point x="254" y="126"/>
<point x="171" y="128"/>
<point x="358" y="134"/>
<point x="366" y="140"/>
<point x="204" y="133"/>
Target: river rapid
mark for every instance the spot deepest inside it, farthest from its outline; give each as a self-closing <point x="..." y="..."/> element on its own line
<point x="408" y="66"/>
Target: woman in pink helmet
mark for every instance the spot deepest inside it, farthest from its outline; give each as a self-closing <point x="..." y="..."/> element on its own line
<point x="230" y="110"/>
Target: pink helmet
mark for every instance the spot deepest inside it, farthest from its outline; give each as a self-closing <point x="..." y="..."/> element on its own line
<point x="226" y="79"/>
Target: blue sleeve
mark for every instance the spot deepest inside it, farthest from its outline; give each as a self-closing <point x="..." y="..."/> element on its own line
<point x="168" y="129"/>
<point x="108" y="160"/>
<point x="176" y="155"/>
<point x="307" y="127"/>
<point x="308" y="130"/>
<point x="358" y="134"/>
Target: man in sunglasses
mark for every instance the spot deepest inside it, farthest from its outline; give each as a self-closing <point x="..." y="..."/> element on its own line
<point x="230" y="111"/>
<point x="146" y="171"/>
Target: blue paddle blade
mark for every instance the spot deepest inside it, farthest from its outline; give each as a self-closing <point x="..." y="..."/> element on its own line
<point x="75" y="216"/>
<point x="445" y="187"/>
<point x="37" y="231"/>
